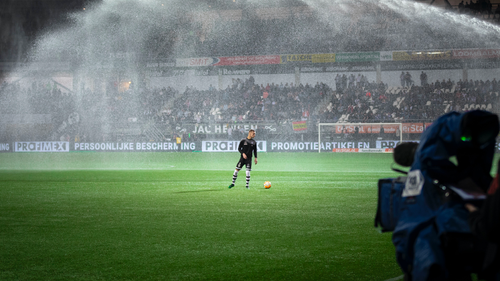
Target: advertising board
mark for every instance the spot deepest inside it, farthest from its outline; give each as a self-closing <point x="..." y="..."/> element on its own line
<point x="228" y="146"/>
<point x="42" y="146"/>
<point x="134" y="146"/>
<point x="5" y="147"/>
<point x="340" y="145"/>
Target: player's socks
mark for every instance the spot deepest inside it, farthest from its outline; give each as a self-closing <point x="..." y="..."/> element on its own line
<point x="248" y="178"/>
<point x="235" y="175"/>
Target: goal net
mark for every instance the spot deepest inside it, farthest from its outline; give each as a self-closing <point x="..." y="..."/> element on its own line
<point x="359" y="137"/>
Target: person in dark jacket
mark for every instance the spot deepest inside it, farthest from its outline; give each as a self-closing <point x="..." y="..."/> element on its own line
<point x="432" y="237"/>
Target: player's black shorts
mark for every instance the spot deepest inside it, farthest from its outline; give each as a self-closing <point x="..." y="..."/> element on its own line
<point x="247" y="162"/>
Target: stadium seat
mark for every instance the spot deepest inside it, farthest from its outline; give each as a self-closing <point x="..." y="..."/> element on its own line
<point x="489" y="107"/>
<point x="428" y="103"/>
<point x="483" y="106"/>
<point x="466" y="107"/>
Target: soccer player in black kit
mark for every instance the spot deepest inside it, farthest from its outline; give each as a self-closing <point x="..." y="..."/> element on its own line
<point x="246" y="147"/>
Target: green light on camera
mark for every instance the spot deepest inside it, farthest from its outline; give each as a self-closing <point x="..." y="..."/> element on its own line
<point x="464" y="138"/>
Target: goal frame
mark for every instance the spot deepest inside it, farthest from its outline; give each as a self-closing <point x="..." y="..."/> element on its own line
<point x="357" y="124"/>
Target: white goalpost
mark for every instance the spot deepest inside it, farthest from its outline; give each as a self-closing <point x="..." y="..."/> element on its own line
<point x="394" y="129"/>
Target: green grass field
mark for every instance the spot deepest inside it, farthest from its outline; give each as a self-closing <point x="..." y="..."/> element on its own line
<point x="170" y="216"/>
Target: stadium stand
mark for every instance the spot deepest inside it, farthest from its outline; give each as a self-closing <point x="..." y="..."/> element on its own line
<point x="246" y="101"/>
<point x="282" y="29"/>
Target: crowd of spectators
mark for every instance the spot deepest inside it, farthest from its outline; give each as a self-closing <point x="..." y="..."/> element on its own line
<point x="353" y="99"/>
<point x="372" y="102"/>
<point x="38" y="100"/>
<point x="245" y="100"/>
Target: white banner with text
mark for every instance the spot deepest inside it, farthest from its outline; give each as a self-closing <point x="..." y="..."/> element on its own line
<point x="228" y="146"/>
<point x="42" y="146"/>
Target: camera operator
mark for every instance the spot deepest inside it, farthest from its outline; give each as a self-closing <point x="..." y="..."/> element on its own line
<point x="432" y="237"/>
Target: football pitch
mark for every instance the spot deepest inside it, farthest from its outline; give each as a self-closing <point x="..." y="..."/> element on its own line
<point x="171" y="216"/>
